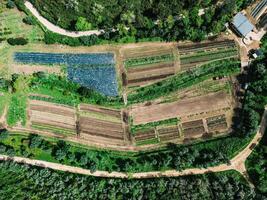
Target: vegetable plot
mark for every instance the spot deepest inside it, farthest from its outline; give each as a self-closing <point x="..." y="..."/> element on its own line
<point x="95" y="71"/>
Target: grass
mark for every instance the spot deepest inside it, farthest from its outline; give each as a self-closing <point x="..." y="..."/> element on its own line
<point x="203" y="88"/>
<point x="147" y="142"/>
<point x="148" y="60"/>
<point x="4" y="99"/>
<point x="11" y="19"/>
<point x="17" y="110"/>
<point x="99" y="116"/>
<point x="184" y="80"/>
<point x="53" y="129"/>
<point x="151" y="125"/>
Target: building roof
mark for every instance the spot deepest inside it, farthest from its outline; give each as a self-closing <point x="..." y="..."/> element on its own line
<point x="242" y="24"/>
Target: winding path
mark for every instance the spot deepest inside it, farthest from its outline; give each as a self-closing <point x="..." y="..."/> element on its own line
<point x="57" y="29"/>
<point x="237" y="163"/>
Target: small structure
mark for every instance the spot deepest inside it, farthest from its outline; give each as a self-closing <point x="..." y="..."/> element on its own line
<point x="255" y="53"/>
<point x="242" y="25"/>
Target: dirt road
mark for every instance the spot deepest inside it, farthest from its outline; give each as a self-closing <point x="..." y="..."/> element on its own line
<point x="237" y="163"/>
<point x="57" y="29"/>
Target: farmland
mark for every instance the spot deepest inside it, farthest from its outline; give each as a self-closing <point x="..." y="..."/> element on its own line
<point x="196" y="54"/>
<point x="89" y="70"/>
<point x="145" y="65"/>
<point x="195" y="123"/>
<point x="101" y="125"/>
<point x="52" y="117"/>
<point x="152" y="133"/>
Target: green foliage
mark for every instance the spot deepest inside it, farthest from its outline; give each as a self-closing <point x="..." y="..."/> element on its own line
<point x="10" y="4"/>
<point x="141" y="20"/>
<point x="35" y="141"/>
<point x="19" y="181"/>
<point x="183" y="80"/>
<point x="29" y="20"/>
<point x="17" y="41"/>
<point x="82" y="24"/>
<point x="16" y="110"/>
<point x="172" y="121"/>
<point x="256" y="165"/>
<point x="203" y="154"/>
<point x="63" y="91"/>
<point x="3" y="134"/>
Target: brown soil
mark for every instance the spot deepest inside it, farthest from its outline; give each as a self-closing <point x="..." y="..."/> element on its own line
<point x="30" y="69"/>
<point x="153" y="113"/>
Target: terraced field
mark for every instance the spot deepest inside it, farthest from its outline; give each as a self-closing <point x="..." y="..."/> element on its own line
<point x="145" y="65"/>
<point x="52" y="117"/>
<point x="196" y="54"/>
<point x="101" y="125"/>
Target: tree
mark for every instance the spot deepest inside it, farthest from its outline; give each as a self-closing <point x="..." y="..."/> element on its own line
<point x="10" y="4"/>
<point x="82" y="24"/>
<point x="35" y="141"/>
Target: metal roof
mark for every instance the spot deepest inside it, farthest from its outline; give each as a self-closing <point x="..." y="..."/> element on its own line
<point x="242" y="24"/>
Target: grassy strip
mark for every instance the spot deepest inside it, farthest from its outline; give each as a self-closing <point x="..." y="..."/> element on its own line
<point x="151" y="125"/>
<point x="206" y="53"/>
<point x="184" y="80"/>
<point x="213" y="56"/>
<point x="148" y="60"/>
<point x="17" y="110"/>
<point x="53" y="129"/>
<point x="99" y="116"/>
<point x="53" y="100"/>
<point x="147" y="142"/>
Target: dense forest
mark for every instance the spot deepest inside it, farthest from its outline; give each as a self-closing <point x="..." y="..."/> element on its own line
<point x="25" y="182"/>
<point x="257" y="97"/>
<point x="137" y="19"/>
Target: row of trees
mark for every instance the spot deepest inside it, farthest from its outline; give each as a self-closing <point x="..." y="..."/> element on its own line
<point x="256" y="99"/>
<point x="25" y="182"/>
<point x="173" y="157"/>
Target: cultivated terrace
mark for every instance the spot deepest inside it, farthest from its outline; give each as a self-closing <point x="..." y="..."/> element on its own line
<point x="146" y="88"/>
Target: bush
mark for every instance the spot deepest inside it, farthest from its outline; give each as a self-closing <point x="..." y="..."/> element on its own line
<point x="35" y="141"/>
<point x="28" y="20"/>
<point x="17" y="41"/>
<point x="3" y="134"/>
<point x="10" y="4"/>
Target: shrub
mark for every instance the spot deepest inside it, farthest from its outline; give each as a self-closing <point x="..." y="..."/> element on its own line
<point x="35" y="141"/>
<point x="17" y="41"/>
<point x="10" y="4"/>
<point x="3" y="134"/>
<point x="28" y="20"/>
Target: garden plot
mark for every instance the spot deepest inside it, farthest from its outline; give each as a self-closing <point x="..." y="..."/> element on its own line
<point x="144" y="137"/>
<point x="148" y="64"/>
<point x="95" y="70"/>
<point x="101" y="125"/>
<point x="217" y="123"/>
<point x="193" y="129"/>
<point x="169" y="134"/>
<point x="52" y="117"/>
<point x="195" y="54"/>
<point x="186" y="108"/>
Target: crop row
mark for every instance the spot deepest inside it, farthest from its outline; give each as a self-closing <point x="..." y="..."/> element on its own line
<point x="201" y="47"/>
<point x="59" y="58"/>
<point x="148" y="60"/>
